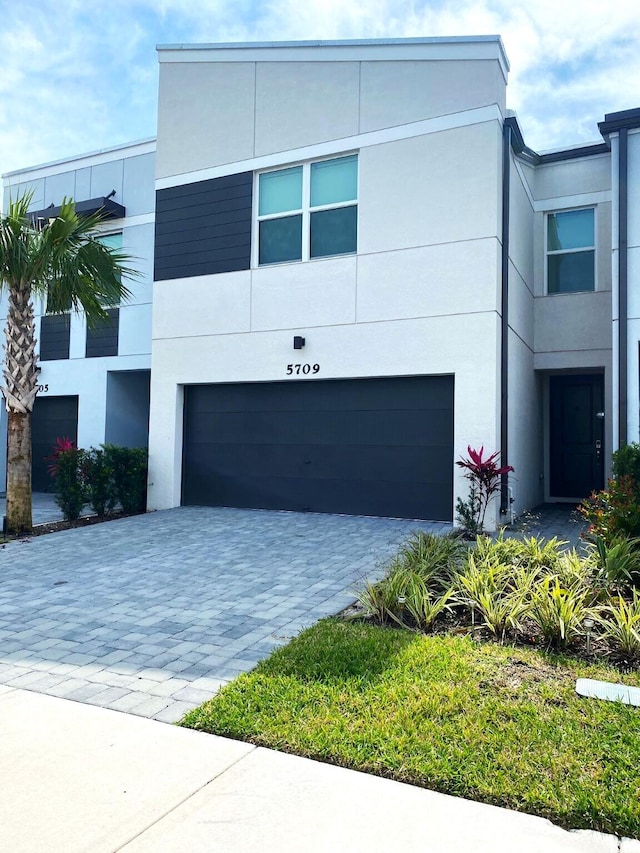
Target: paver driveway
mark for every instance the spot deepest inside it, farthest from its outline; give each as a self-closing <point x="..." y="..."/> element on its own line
<point x="151" y="614"/>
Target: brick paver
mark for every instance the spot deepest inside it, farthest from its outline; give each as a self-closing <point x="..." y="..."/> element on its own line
<point x="152" y="614"/>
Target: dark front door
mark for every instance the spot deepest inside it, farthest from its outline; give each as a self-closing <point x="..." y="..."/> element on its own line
<point x="353" y="446"/>
<point x="53" y="417"/>
<point x="576" y="435"/>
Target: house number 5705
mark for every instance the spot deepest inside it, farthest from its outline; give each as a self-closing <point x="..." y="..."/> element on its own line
<point x="42" y="389"/>
<point x="304" y="369"/>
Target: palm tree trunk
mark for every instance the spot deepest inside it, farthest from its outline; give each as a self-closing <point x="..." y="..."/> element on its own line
<point x="20" y="389"/>
<point x="19" y="473"/>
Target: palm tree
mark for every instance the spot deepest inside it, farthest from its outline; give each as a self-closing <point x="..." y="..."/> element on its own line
<point x="62" y="260"/>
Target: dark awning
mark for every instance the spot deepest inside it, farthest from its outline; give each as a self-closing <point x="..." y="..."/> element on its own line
<point x="107" y="206"/>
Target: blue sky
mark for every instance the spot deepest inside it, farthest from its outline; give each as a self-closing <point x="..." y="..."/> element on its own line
<point x="81" y="75"/>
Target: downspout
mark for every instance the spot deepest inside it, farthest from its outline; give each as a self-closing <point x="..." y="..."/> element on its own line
<point x="504" y="324"/>
<point x="622" y="285"/>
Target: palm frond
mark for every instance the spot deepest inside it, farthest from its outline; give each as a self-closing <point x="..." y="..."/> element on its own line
<point x="63" y="260"/>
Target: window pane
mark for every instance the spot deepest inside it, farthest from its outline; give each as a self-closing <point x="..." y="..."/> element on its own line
<point x="334" y="232"/>
<point x="570" y="230"/>
<point x="113" y="241"/>
<point x="281" y="191"/>
<point x="571" y="272"/>
<point x="281" y="240"/>
<point x="333" y="181"/>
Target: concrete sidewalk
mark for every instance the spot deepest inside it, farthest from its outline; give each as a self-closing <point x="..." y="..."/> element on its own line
<point x="82" y="778"/>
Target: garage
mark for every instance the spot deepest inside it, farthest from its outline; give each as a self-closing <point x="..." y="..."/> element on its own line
<point x="52" y="418"/>
<point x="357" y="446"/>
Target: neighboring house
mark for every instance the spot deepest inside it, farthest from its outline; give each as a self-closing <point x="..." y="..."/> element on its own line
<point x="94" y="383"/>
<point x="360" y="269"/>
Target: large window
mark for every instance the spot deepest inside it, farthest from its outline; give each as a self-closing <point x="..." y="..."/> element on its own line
<point x="308" y="211"/>
<point x="571" y="251"/>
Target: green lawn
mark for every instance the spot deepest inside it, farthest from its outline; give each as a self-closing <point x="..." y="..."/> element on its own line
<point x="491" y="723"/>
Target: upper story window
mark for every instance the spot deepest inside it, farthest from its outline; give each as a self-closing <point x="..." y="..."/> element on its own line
<point x="112" y="241"/>
<point x="571" y="251"/>
<point x="308" y="211"/>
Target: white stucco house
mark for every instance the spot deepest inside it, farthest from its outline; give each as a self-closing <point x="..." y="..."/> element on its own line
<point x="94" y="384"/>
<point x="360" y="268"/>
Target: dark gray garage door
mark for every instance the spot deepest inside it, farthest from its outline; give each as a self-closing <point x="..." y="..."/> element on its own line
<point x="357" y="446"/>
<point x="53" y="417"/>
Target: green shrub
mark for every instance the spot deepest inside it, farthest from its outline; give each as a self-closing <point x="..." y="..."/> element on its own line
<point x="423" y="606"/>
<point x="614" y="511"/>
<point x="404" y="597"/>
<point x="490" y="587"/>
<point x="626" y="462"/>
<point x="529" y="553"/>
<point x="434" y="558"/>
<point x="129" y="471"/>
<point x="617" y="562"/>
<point x="98" y="480"/>
<point x="559" y="612"/>
<point x="68" y="476"/>
<point x="468" y="513"/>
<point x="379" y="600"/>
<point x="620" y="621"/>
<point x="574" y="570"/>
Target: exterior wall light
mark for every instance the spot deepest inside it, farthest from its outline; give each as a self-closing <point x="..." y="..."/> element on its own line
<point x="298" y="342"/>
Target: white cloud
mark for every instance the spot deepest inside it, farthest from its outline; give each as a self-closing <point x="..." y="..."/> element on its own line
<point x="78" y="76"/>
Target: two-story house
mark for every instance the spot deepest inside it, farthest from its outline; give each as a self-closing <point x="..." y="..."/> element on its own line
<point x="94" y="383"/>
<point x="360" y="269"/>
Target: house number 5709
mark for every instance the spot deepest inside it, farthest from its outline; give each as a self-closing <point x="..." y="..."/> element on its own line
<point x="304" y="369"/>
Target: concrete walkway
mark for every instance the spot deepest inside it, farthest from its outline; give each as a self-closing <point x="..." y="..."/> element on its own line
<point x="152" y="614"/>
<point x="80" y="778"/>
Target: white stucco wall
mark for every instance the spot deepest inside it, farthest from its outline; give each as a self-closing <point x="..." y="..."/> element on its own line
<point x="421" y="295"/>
<point x="525" y="450"/>
<point x="129" y="170"/>
<point x="633" y="283"/>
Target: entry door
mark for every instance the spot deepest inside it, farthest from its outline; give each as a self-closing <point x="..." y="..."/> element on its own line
<point x="576" y="435"/>
<point x="53" y="418"/>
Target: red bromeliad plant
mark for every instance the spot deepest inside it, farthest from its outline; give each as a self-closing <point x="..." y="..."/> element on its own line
<point x="484" y="476"/>
<point x="62" y="445"/>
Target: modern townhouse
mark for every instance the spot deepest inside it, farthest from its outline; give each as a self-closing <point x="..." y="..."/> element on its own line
<point x="94" y="383"/>
<point x="360" y="269"/>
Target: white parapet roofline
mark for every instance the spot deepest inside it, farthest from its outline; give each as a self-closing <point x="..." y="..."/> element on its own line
<point x="80" y="161"/>
<point x="350" y="50"/>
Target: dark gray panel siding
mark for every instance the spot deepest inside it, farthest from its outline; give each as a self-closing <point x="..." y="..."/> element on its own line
<point x="103" y="339"/>
<point x="356" y="446"/>
<point x="55" y="330"/>
<point x="204" y="228"/>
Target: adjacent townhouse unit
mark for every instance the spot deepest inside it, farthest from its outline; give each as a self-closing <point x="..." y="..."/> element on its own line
<point x="360" y="269"/>
<point x="94" y="383"/>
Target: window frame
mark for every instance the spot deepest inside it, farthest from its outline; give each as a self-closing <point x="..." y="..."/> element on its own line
<point x="306" y="210"/>
<point x="550" y="252"/>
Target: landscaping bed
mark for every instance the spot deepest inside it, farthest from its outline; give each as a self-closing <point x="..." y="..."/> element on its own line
<point x="497" y="724"/>
<point x="457" y="672"/>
